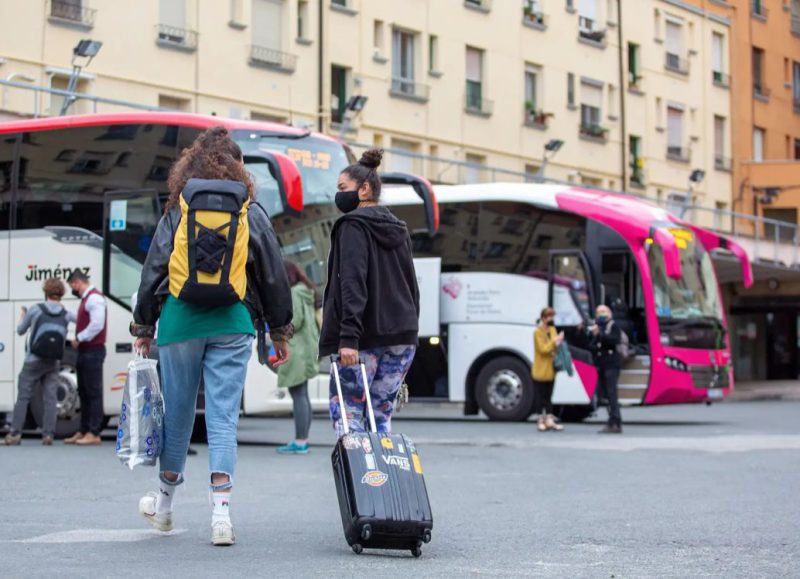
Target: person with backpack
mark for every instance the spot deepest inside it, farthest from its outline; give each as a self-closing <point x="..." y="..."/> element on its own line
<point x="546" y="340"/>
<point x="213" y="276"/>
<point x="371" y="304"/>
<point x="606" y="343"/>
<point x="304" y="364"/>
<point x="47" y="323"/>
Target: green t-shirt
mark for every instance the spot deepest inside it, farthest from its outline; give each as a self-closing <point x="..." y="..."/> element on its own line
<point x="181" y="321"/>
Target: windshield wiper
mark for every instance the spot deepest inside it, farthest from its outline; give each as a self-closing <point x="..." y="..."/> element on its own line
<point x="286" y="136"/>
<point x="692" y="321"/>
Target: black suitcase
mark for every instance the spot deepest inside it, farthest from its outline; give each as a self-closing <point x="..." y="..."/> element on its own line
<point x="381" y="488"/>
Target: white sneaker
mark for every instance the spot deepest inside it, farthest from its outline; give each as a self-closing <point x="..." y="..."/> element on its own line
<point x="147" y="508"/>
<point x="222" y="533"/>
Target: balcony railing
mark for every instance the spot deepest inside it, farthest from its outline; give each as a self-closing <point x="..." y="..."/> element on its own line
<point x="588" y="29"/>
<point x="480" y="5"/>
<point x="759" y="9"/>
<point x="593" y="131"/>
<point x="637" y="176"/>
<point x="796" y="104"/>
<point x="761" y="92"/>
<point x="796" y="24"/>
<point x="634" y="80"/>
<point x="536" y="118"/>
<point x="676" y="63"/>
<point x="72" y="12"/>
<point x="533" y="17"/>
<point x="722" y="163"/>
<point x="721" y="79"/>
<point x="271" y="58"/>
<point x="177" y="37"/>
<point x="407" y="88"/>
<point x="678" y="154"/>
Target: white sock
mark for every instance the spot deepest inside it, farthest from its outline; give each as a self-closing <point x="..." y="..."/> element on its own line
<point x="221" y="507"/>
<point x="165" y="495"/>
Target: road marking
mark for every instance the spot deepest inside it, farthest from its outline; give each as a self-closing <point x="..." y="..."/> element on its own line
<point x="100" y="536"/>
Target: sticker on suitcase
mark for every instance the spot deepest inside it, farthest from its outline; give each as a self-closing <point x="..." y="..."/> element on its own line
<point x="351" y="442"/>
<point x="370" y="460"/>
<point x="387" y="443"/>
<point x="398" y="461"/>
<point x="374" y="478"/>
<point x="417" y="463"/>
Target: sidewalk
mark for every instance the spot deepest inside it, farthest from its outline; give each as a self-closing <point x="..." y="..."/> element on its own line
<point x="766" y="390"/>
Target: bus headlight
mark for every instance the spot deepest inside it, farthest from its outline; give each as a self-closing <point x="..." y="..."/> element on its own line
<point x="434" y="341"/>
<point x="675" y="364"/>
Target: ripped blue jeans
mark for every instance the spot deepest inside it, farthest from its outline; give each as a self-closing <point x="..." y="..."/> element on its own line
<point x="222" y="362"/>
<point x="386" y="369"/>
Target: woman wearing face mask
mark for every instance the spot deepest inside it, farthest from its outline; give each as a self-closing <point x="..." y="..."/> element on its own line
<point x="371" y="304"/>
<point x="545" y="342"/>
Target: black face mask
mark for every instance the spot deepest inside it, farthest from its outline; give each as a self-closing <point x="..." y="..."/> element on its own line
<point x="347" y="201"/>
<point x="76" y="293"/>
<point x="551" y="322"/>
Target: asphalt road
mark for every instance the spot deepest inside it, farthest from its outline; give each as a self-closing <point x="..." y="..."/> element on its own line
<point x="685" y="492"/>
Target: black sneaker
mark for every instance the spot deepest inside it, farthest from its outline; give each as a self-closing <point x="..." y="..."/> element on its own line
<point x="611" y="429"/>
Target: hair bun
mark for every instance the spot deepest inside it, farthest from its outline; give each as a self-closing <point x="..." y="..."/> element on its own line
<point x="371" y="158"/>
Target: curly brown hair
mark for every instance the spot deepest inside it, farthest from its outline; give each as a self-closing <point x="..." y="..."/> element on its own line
<point x="53" y="288"/>
<point x="213" y="155"/>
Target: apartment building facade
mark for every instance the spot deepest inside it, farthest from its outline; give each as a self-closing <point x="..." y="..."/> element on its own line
<point x="459" y="90"/>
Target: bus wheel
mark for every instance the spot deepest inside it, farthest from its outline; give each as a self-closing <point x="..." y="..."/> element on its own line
<point x="68" y="413"/>
<point x="504" y="389"/>
<point x="573" y="412"/>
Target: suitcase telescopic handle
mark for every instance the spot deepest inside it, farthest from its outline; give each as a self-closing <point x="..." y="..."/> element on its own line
<point x="342" y="406"/>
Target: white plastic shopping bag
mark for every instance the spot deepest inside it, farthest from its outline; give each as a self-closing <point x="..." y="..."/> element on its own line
<point x="141" y="418"/>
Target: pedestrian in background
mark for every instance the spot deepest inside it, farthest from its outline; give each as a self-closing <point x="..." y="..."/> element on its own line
<point x="47" y="323"/>
<point x="304" y="363"/>
<point x="546" y="340"/>
<point x="371" y="304"/>
<point x="214" y="340"/>
<point x="606" y="336"/>
<point x="90" y="342"/>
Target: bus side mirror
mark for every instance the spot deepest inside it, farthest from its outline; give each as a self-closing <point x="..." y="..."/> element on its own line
<point x="741" y="255"/>
<point x="285" y="172"/>
<point x="672" y="255"/>
<point x="424" y="189"/>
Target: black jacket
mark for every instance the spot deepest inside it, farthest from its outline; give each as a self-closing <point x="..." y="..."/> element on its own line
<point x="268" y="296"/>
<point x="604" y="346"/>
<point x="372" y="297"/>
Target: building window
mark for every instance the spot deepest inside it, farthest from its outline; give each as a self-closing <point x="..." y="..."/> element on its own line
<point x="588" y="21"/>
<point x="570" y="90"/>
<point x="796" y="86"/>
<point x="172" y="29"/>
<point x="721" y="162"/>
<point x="531" y="173"/>
<point x="237" y="14"/>
<point x="758" y="144"/>
<point x="759" y="8"/>
<point x="634" y="70"/>
<point x="475" y="88"/>
<point x="403" y="61"/>
<point x="404" y="156"/>
<point x="377" y="38"/>
<point x="718" y="59"/>
<point x="797" y="149"/>
<point x="675" y="148"/>
<point x="174" y="103"/>
<point x="433" y="53"/>
<point x="302" y="19"/>
<point x="637" y="163"/>
<point x="339" y="92"/>
<point x="759" y="88"/>
<point x="60" y="82"/>
<point x="592" y="110"/>
<point x="674" y="45"/>
<point x="267" y="20"/>
<point x="795" y="17"/>
<point x="533" y="89"/>
<point x="474" y="169"/>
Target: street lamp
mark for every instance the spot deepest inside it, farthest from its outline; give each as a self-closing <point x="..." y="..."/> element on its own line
<point x="82" y="56"/>
<point x="355" y="104"/>
<point x="552" y="147"/>
<point x="695" y="178"/>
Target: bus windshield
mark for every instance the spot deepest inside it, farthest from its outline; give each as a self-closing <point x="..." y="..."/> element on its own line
<point x="319" y="160"/>
<point x="695" y="294"/>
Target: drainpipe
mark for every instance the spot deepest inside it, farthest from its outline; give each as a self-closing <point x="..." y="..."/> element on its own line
<point x="622" y="92"/>
<point x="320" y="70"/>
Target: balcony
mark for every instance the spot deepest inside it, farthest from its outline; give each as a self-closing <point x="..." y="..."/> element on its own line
<point x="761" y="92"/>
<point x="405" y="88"/>
<point x="796" y="24"/>
<point x="536" y="119"/>
<point x="675" y="63"/>
<point x="474" y="103"/>
<point x="274" y="59"/>
<point x="479" y="5"/>
<point x="71" y="13"/>
<point x="590" y="32"/>
<point x="593" y="132"/>
<point x="174" y="37"/>
<point x="722" y="163"/>
<point x="532" y="17"/>
<point x="680" y="154"/>
<point x="758" y="9"/>
<point x="721" y="79"/>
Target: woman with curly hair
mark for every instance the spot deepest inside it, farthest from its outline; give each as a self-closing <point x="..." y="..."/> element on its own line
<point x="371" y="305"/>
<point x="208" y="333"/>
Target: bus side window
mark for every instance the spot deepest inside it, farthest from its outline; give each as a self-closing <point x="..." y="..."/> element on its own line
<point x="6" y="162"/>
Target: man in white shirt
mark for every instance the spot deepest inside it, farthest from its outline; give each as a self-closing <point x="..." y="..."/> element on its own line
<point x="90" y="343"/>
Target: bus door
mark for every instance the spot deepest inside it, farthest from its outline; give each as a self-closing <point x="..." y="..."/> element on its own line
<point x="9" y="315"/>
<point x="621" y="290"/>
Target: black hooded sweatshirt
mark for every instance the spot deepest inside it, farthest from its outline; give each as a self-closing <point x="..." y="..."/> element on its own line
<point x="372" y="297"/>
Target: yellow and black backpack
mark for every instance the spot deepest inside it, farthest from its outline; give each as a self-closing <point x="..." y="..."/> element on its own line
<point x="209" y="257"/>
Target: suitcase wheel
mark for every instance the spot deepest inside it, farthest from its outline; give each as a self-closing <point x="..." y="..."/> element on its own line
<point x="416" y="551"/>
<point x="366" y="532"/>
<point x="426" y="538"/>
<point x="357" y="548"/>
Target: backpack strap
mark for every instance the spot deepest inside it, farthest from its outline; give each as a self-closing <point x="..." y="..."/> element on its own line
<point x="228" y="260"/>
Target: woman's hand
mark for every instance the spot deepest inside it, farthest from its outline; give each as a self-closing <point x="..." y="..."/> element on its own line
<point x="348" y="357"/>
<point x="560" y="337"/>
<point x="281" y="351"/>
<point x="142" y="345"/>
